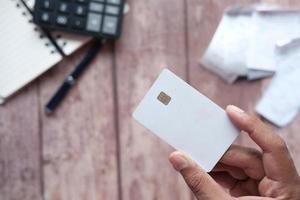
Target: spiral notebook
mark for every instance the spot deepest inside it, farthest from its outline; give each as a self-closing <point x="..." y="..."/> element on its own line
<point x="25" y="53"/>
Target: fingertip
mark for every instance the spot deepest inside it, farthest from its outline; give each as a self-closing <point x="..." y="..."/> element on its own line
<point x="178" y="160"/>
<point x="234" y="109"/>
<point x="228" y="107"/>
<point x="236" y="115"/>
<point x="200" y="182"/>
<point x="173" y="155"/>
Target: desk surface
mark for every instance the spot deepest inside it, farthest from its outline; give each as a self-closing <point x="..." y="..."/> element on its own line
<point x="91" y="148"/>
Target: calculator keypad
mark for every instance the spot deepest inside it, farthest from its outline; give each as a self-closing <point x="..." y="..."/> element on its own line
<point x="61" y="20"/>
<point x="116" y="2"/>
<point x="47" y="4"/>
<point x="100" y="18"/>
<point x="64" y="7"/>
<point x="78" y="23"/>
<point x="94" y="22"/>
<point x="110" y="24"/>
<point x="96" y="7"/>
<point x="45" y="18"/>
<point x="80" y="10"/>
<point x="114" y="10"/>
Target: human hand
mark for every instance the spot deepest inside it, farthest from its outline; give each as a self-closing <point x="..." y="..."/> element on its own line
<point x="245" y="173"/>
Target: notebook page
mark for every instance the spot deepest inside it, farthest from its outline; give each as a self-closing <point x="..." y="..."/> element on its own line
<point x="68" y="42"/>
<point x="23" y="54"/>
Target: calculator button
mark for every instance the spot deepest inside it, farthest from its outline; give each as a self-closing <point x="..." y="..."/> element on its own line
<point x="45" y="17"/>
<point x="47" y="4"/>
<point x="117" y="2"/>
<point x="96" y="7"/>
<point x="64" y="7"/>
<point x="114" y="10"/>
<point x="82" y="1"/>
<point x="94" y="22"/>
<point x="110" y="25"/>
<point x="61" y="20"/>
<point x="78" y="23"/>
<point x="80" y="10"/>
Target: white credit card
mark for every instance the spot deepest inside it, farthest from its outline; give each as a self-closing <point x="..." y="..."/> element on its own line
<point x="186" y="119"/>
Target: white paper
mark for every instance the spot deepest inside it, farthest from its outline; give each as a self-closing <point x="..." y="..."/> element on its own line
<point x="24" y="55"/>
<point x="228" y="51"/>
<point x="281" y="101"/>
<point x="253" y="74"/>
<point x="190" y="122"/>
<point x="226" y="55"/>
<point x="270" y="27"/>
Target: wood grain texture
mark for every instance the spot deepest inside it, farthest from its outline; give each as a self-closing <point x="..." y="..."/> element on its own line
<point x="79" y="140"/>
<point x="153" y="38"/>
<point x="91" y="148"/>
<point x="20" y="169"/>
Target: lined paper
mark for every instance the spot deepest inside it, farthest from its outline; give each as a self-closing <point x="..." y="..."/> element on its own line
<point x="24" y="54"/>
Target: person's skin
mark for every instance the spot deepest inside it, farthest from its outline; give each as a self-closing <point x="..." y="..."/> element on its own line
<point x="245" y="173"/>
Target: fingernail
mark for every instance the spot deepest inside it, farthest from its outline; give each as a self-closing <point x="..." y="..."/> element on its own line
<point x="235" y="109"/>
<point x="179" y="161"/>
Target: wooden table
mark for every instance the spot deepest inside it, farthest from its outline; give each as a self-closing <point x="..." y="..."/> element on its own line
<point x="91" y="148"/>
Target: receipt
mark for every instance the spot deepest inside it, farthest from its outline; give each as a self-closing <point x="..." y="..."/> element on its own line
<point x="228" y="51"/>
<point x="226" y="55"/>
<point x="281" y="101"/>
<point x="270" y="27"/>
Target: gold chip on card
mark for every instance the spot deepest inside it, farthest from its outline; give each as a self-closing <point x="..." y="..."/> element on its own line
<point x="164" y="98"/>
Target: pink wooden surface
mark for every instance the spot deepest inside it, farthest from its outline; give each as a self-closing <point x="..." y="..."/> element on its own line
<point x="155" y="38"/>
<point x="20" y="161"/>
<point x="91" y="148"/>
<point x="79" y="140"/>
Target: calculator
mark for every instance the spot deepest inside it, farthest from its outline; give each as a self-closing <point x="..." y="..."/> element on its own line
<point x="97" y="18"/>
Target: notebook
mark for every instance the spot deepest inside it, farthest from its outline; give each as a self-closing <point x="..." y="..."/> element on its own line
<point x="24" y="52"/>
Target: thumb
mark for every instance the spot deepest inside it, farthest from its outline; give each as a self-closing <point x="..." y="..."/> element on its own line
<point x="202" y="184"/>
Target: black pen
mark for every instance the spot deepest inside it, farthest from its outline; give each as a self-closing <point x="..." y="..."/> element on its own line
<point x="71" y="79"/>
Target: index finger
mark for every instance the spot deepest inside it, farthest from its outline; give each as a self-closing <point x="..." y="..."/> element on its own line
<point x="276" y="158"/>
